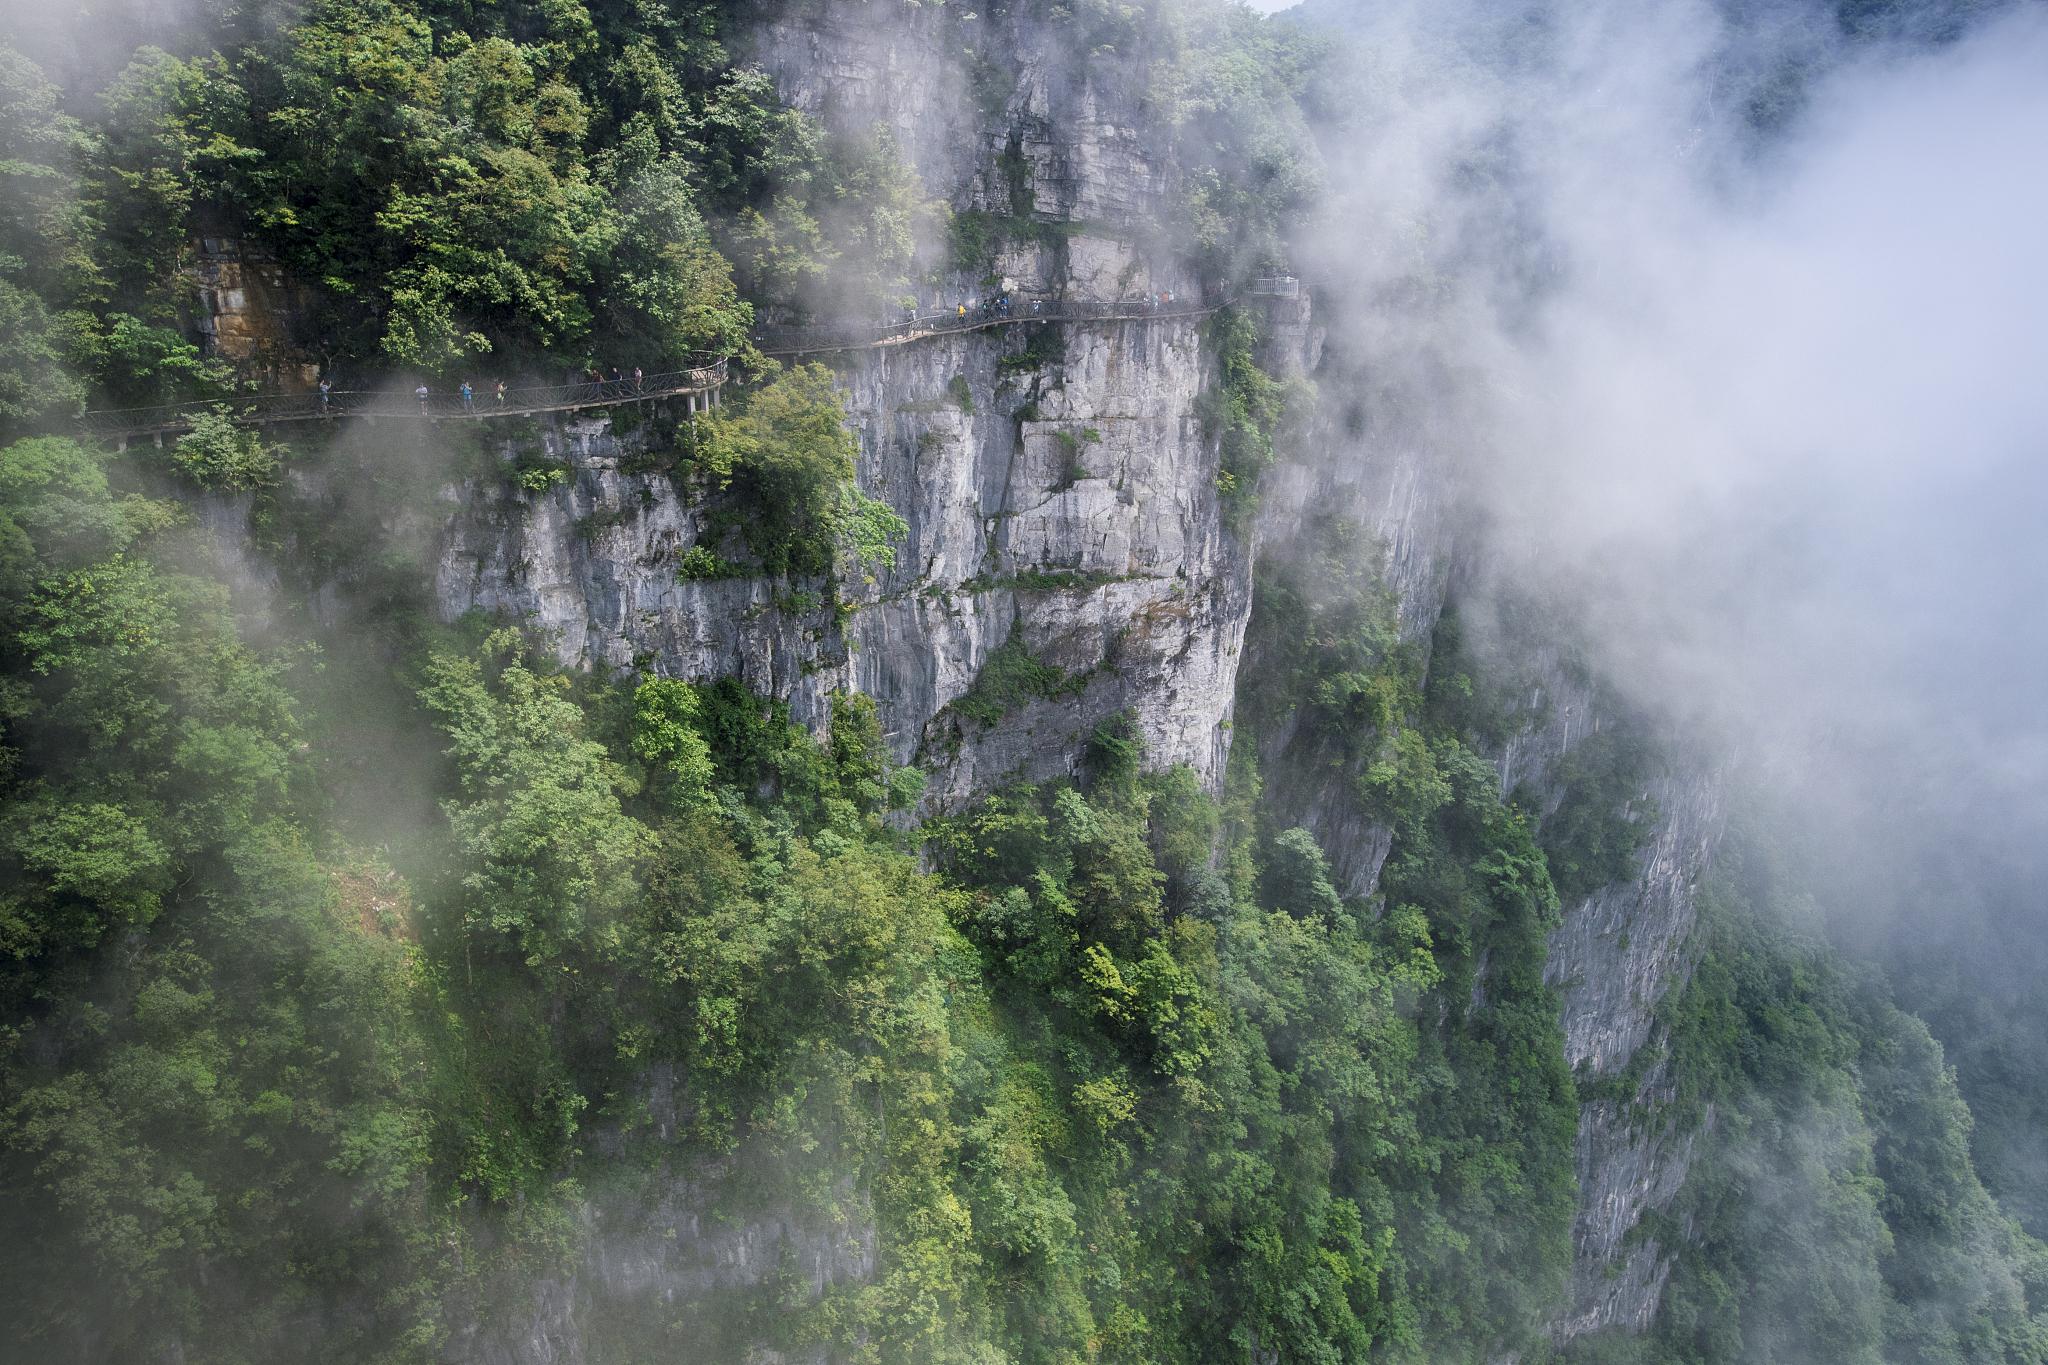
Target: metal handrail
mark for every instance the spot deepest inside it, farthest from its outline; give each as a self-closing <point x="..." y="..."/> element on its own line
<point x="266" y="409"/>
<point x="269" y="408"/>
<point x="811" y="340"/>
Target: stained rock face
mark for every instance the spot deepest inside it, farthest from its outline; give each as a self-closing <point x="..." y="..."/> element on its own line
<point x="1615" y="956"/>
<point x="251" y="311"/>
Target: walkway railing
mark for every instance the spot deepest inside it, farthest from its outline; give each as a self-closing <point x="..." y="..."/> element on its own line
<point x="271" y="408"/>
<point x="817" y="340"/>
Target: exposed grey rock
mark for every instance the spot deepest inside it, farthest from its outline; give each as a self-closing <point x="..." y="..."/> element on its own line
<point x="1616" y="955"/>
<point x="1095" y="467"/>
<point x="1621" y="948"/>
<point x="1626" y="1167"/>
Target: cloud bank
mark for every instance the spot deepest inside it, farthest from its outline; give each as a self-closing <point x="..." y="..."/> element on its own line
<point x="1745" y="330"/>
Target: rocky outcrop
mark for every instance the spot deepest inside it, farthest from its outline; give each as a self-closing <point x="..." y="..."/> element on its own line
<point x="1617" y="954"/>
<point x="1068" y="506"/>
<point x="249" y="310"/>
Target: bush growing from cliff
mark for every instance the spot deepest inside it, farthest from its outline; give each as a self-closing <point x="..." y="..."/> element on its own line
<point x="1240" y="411"/>
<point x="216" y="454"/>
<point x="789" y="456"/>
<point x="1011" y="677"/>
<point x="1605" y="816"/>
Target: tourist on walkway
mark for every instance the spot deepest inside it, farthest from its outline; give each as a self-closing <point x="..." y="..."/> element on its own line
<point x="639" y="380"/>
<point x="421" y="394"/>
<point x="501" y="393"/>
<point x="326" y="394"/>
<point x="468" y="398"/>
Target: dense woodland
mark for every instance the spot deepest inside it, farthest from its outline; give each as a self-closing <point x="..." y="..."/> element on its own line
<point x="345" y="957"/>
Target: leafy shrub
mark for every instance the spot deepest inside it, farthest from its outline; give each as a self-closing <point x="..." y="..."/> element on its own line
<point x="1010" y="677"/>
<point x="788" y="454"/>
<point x="218" y="455"/>
<point x="700" y="563"/>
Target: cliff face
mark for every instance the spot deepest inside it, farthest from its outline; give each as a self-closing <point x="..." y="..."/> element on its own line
<point x="1066" y="506"/>
<point x="1091" y="471"/>
<point x="1153" y="626"/>
<point x="1086" y="467"/>
<point x="1616" y="955"/>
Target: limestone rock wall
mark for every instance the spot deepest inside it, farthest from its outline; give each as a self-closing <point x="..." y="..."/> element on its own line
<point x="1071" y="507"/>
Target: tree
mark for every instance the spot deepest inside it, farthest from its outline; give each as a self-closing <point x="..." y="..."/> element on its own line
<point x="789" y="454"/>
<point x="553" y="855"/>
<point x="41" y="255"/>
<point x="216" y="454"/>
<point x="665" y="734"/>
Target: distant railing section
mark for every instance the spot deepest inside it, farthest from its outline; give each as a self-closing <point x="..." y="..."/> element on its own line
<point x="813" y="340"/>
<point x="271" y="408"/>
<point x="1276" y="287"/>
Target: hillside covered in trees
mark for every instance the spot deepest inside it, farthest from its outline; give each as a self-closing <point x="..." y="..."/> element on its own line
<point x="383" y="981"/>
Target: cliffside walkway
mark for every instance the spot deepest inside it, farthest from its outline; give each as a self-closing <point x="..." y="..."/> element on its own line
<point x="698" y="388"/>
<point x="821" y="340"/>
